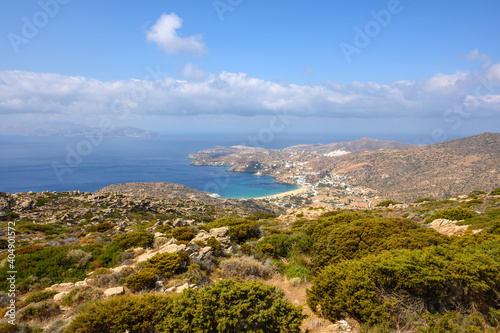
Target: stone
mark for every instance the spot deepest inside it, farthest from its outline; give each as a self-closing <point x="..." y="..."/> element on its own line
<point x="172" y="248"/>
<point x="80" y="283"/>
<point x="114" y="292"/>
<point x="58" y="297"/>
<point x="27" y="204"/>
<point x="180" y="289"/>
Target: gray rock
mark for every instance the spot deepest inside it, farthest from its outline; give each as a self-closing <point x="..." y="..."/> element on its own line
<point x="27" y="204"/>
<point x="180" y="289"/>
<point x="114" y="292"/>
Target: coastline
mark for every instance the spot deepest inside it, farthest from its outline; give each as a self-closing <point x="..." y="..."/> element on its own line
<point x="303" y="189"/>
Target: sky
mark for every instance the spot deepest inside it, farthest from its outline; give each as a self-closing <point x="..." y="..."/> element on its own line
<point x="430" y="70"/>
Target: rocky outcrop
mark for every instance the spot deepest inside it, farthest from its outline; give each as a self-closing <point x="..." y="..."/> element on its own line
<point x="449" y="227"/>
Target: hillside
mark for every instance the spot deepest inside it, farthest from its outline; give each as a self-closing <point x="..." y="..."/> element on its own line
<point x="110" y="262"/>
<point x="440" y="170"/>
<point x="365" y="170"/>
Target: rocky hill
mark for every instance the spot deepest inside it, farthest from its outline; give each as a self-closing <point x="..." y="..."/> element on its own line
<point x="385" y="168"/>
<point x="439" y="171"/>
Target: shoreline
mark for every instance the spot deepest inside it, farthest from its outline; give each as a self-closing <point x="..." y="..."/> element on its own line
<point x="303" y="189"/>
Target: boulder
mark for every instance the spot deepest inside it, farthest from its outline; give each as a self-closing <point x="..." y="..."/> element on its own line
<point x="204" y="254"/>
<point x="58" y="297"/>
<point x="114" y="292"/>
<point x="172" y="248"/>
<point x="26" y="204"/>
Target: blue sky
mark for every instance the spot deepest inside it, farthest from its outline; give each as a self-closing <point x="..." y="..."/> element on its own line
<point x="430" y="69"/>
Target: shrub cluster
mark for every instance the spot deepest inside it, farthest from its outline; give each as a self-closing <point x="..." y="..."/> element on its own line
<point x="240" y="229"/>
<point x="227" y="306"/>
<point x="454" y="214"/>
<point x="81" y="295"/>
<point x="396" y="286"/>
<point x="183" y="234"/>
<point x="165" y="264"/>
<point x="351" y="236"/>
<point x="134" y="239"/>
<point x="143" y="279"/>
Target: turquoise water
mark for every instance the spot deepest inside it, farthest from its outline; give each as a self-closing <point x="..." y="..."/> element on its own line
<point x="64" y="164"/>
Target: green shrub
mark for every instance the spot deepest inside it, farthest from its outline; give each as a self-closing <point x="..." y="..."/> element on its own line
<point x="4" y="244"/>
<point x="474" y="194"/>
<point x="81" y="295"/>
<point x="247" y="249"/>
<point x="41" y="310"/>
<point x="495" y="191"/>
<point x="267" y="250"/>
<point x="261" y="216"/>
<point x="424" y="200"/>
<point x="134" y="239"/>
<point x="351" y="236"/>
<point x="165" y="264"/>
<point x="483" y="221"/>
<point x="284" y="244"/>
<point x="240" y="230"/>
<point x="471" y="203"/>
<point x="183" y="234"/>
<point x="39" y="296"/>
<point x="297" y="271"/>
<point x="229" y="306"/>
<point x="11" y="216"/>
<point x="387" y="203"/>
<point x="454" y="214"/>
<point x="393" y="286"/>
<point x="119" y="314"/>
<point x="143" y="279"/>
<point x="41" y="201"/>
<point x="214" y="244"/>
<point x="100" y="271"/>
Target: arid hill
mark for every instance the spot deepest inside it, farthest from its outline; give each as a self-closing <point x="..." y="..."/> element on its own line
<point x="439" y="170"/>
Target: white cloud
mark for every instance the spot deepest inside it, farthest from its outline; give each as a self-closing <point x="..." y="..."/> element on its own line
<point x="164" y="34"/>
<point x="237" y="94"/>
<point x="191" y="72"/>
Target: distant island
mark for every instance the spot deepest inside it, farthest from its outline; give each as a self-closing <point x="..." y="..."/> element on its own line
<point x="74" y="130"/>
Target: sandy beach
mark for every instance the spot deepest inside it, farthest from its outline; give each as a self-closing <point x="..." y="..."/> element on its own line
<point x="301" y="190"/>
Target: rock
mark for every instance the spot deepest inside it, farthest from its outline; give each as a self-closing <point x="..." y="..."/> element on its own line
<point x="6" y="202"/>
<point x="159" y="242"/>
<point x="80" y="283"/>
<point x="180" y="289"/>
<point x="201" y="236"/>
<point x="58" y="297"/>
<point x="114" y="292"/>
<point x="183" y="223"/>
<point x="27" y="204"/>
<point x="203" y="255"/>
<point x="449" y="227"/>
<point x="173" y="248"/>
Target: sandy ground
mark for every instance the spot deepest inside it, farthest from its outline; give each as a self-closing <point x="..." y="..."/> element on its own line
<point x="301" y="190"/>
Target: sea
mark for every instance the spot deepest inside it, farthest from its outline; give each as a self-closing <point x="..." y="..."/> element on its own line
<point x="89" y="163"/>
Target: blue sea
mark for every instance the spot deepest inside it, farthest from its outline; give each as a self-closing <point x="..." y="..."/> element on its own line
<point x="88" y="164"/>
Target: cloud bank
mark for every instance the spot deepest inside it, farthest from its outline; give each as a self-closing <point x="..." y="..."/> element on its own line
<point x="75" y="97"/>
